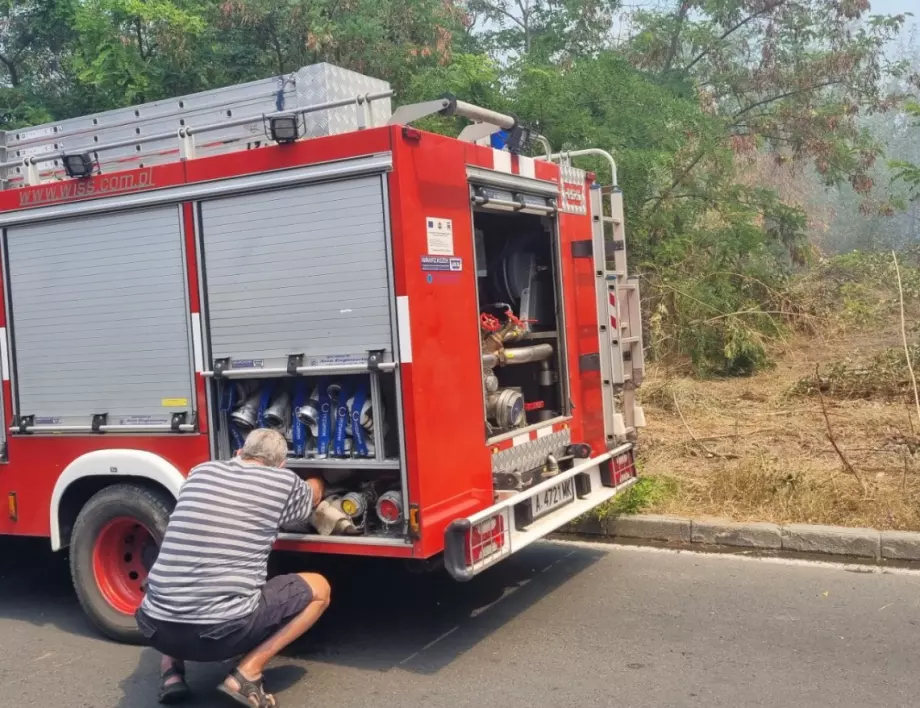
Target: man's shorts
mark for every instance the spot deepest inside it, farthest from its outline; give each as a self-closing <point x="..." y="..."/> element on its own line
<point x="282" y="599"/>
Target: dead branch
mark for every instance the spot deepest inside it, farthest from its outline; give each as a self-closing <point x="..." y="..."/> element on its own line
<point x="830" y="437"/>
<point x="699" y="444"/>
<point x="910" y="366"/>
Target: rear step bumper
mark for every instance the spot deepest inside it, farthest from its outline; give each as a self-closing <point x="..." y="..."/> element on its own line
<point x="477" y="542"/>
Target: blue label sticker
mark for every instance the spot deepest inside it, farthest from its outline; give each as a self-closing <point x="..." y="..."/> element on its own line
<point x="442" y="263"/>
<point x="247" y="364"/>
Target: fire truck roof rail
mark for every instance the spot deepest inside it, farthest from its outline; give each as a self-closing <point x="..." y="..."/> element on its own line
<point x="235" y="118"/>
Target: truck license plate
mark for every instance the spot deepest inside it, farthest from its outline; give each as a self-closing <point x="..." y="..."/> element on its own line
<point x="552" y="498"/>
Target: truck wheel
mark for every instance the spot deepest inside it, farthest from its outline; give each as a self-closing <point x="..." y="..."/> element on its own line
<point x="114" y="543"/>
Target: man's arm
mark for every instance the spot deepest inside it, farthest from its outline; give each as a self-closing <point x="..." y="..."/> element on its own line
<point x="317" y="489"/>
<point x="305" y="495"/>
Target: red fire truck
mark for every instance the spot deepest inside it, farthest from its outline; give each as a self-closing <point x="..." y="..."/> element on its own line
<point x="442" y="327"/>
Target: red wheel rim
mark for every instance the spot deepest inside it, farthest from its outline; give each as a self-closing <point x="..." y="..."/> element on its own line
<point x="122" y="556"/>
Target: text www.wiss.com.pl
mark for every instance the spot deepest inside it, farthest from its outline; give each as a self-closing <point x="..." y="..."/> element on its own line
<point x="97" y="186"/>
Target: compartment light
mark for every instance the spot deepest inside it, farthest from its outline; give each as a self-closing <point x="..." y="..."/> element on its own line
<point x="284" y="129"/>
<point x="80" y="165"/>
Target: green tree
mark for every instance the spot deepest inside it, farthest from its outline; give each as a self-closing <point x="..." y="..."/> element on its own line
<point x="392" y="40"/>
<point x="790" y="75"/>
<point x="132" y="51"/>
<point x="548" y="30"/>
<point x="906" y="171"/>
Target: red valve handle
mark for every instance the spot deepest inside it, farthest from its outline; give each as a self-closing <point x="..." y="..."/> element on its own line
<point x="489" y="322"/>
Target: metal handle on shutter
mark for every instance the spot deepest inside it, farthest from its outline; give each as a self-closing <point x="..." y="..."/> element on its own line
<point x="276" y="372"/>
<point x="516" y="206"/>
<point x="157" y="428"/>
<point x="482" y="198"/>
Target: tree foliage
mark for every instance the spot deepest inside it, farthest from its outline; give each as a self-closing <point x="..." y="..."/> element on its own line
<point x="548" y="30"/>
<point x="906" y="171"/>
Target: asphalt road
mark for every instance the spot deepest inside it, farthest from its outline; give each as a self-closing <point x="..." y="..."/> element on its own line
<point x="558" y="625"/>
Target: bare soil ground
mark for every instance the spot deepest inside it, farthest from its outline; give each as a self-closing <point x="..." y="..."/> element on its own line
<point x="753" y="449"/>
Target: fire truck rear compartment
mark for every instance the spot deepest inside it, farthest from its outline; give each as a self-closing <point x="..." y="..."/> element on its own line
<point x="523" y="348"/>
<point x="300" y="339"/>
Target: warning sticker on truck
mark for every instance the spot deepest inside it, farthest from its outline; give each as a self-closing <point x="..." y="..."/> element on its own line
<point x="440" y="233"/>
<point x="440" y="263"/>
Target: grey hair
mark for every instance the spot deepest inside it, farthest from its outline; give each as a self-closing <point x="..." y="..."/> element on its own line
<point x="266" y="446"/>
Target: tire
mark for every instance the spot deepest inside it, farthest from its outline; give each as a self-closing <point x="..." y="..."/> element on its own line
<point x="114" y="542"/>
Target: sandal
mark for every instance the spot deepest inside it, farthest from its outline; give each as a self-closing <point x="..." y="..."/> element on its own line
<point x="248" y="691"/>
<point x="177" y="690"/>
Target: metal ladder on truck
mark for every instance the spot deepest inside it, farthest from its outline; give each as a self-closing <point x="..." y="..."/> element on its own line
<point x="323" y="99"/>
<point x="622" y="358"/>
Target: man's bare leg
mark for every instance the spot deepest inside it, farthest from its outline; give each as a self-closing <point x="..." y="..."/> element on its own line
<point x="173" y="688"/>
<point x="167" y="663"/>
<point x="253" y="664"/>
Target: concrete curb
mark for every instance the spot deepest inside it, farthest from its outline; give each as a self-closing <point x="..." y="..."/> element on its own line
<point x="868" y="544"/>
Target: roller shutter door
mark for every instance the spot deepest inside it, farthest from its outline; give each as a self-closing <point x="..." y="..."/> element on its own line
<point x="298" y="271"/>
<point x="100" y="318"/>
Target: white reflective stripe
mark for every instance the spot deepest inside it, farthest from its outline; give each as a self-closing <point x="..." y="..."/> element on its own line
<point x="526" y="167"/>
<point x="501" y="161"/>
<point x="404" y="329"/>
<point x="520" y="439"/>
<point x="197" y="349"/>
<point x="111" y="464"/>
<point x="4" y="355"/>
<point x="543" y="432"/>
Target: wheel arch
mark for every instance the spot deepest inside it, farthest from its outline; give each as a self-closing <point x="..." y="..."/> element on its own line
<point x="92" y="472"/>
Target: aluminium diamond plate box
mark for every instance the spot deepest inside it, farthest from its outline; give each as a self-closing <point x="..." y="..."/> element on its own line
<point x="323" y="83"/>
<point x="308" y="86"/>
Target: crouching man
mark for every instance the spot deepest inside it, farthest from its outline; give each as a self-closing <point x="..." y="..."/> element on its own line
<point x="207" y="597"/>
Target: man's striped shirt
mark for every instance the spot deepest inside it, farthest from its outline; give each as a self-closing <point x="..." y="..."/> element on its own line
<point x="214" y="559"/>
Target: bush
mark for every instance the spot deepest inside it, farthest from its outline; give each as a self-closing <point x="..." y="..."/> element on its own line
<point x="853" y="289"/>
<point x="720" y="324"/>
<point x="884" y="377"/>
<point x="643" y="495"/>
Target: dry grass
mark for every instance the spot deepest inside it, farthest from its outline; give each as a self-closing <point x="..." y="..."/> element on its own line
<point x="748" y="450"/>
